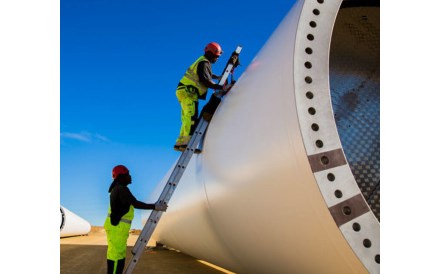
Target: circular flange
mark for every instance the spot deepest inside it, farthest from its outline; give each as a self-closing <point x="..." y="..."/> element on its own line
<point x="327" y="157"/>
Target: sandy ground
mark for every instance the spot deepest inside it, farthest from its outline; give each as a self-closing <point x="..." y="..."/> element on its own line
<point x="87" y="255"/>
<point x="97" y="236"/>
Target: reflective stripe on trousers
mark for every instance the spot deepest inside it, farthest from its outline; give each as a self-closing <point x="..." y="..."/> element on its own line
<point x="122" y="220"/>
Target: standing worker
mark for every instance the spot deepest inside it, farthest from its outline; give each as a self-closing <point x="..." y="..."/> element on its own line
<point x="193" y="86"/>
<point x="118" y="222"/>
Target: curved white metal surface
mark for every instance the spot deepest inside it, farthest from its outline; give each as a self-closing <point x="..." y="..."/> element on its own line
<point x="258" y="199"/>
<point x="71" y="224"/>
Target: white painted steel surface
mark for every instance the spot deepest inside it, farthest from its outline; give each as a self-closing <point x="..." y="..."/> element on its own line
<point x="251" y="202"/>
<point x="72" y="224"/>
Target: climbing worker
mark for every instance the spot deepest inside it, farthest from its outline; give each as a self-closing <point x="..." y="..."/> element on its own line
<point x="194" y="86"/>
<point x="118" y="222"/>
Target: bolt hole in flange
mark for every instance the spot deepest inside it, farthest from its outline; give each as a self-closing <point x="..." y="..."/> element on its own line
<point x="331" y="177"/>
<point x="319" y="144"/>
<point x="355" y="94"/>
<point x="338" y="194"/>
<point x="356" y="227"/>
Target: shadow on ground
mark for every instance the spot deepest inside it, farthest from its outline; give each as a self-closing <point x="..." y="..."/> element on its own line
<point x="91" y="259"/>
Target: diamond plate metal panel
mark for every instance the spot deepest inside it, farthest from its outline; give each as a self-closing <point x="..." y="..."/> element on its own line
<point x="355" y="93"/>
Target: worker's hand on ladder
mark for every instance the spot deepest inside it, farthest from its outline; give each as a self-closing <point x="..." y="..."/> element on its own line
<point x="160" y="206"/>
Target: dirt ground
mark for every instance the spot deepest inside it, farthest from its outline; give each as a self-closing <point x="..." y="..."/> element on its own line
<point x="87" y="255"/>
<point x="97" y="236"/>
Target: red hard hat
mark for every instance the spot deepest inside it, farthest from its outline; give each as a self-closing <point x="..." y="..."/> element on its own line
<point x="120" y="169"/>
<point x="214" y="48"/>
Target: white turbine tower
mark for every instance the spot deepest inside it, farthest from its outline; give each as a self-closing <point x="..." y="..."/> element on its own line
<point x="280" y="186"/>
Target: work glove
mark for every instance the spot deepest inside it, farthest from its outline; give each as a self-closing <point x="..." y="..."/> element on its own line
<point x="226" y="88"/>
<point x="160" y="206"/>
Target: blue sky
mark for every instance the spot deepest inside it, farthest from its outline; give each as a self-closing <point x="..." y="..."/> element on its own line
<point x="120" y="62"/>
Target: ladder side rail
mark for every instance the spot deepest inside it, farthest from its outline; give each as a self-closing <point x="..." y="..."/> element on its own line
<point x="146" y="233"/>
<point x="166" y="194"/>
<point x="142" y="242"/>
<point x="226" y="75"/>
<point x="188" y="153"/>
<point x="229" y="66"/>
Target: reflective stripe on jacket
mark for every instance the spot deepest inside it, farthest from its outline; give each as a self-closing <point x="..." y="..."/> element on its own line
<point x="191" y="78"/>
<point x="122" y="220"/>
<point x="127" y="217"/>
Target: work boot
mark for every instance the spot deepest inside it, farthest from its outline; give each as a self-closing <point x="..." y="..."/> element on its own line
<point x="182" y="143"/>
<point x="180" y="147"/>
<point x="179" y="144"/>
<point x="176" y="148"/>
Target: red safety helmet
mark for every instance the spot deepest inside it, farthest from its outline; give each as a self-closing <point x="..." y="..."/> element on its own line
<point x="119" y="169"/>
<point x="214" y="48"/>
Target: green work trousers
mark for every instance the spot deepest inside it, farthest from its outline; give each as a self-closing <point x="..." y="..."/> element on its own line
<point x="188" y="99"/>
<point x="117" y="236"/>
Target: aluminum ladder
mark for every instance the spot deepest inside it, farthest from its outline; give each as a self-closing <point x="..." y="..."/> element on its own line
<point x="179" y="169"/>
